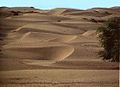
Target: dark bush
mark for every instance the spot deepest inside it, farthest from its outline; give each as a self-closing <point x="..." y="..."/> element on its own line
<point x="109" y="36"/>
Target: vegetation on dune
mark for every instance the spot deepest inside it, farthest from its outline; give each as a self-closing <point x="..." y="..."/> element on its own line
<point x="109" y="36"/>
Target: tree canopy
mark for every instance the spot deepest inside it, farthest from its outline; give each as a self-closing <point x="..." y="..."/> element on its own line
<point x="109" y="37"/>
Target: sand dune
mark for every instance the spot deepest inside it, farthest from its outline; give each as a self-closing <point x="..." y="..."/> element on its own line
<point x="30" y="36"/>
<point x="47" y="27"/>
<point x="38" y="17"/>
<point x="63" y="40"/>
<point x="61" y="30"/>
<point x="62" y="11"/>
<point x="40" y="53"/>
<point x="56" y="11"/>
<point x="85" y="39"/>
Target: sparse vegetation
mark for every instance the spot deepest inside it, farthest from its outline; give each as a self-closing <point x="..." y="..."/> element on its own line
<point x="110" y="39"/>
<point x="32" y="7"/>
<point x="15" y="13"/>
<point x="93" y="20"/>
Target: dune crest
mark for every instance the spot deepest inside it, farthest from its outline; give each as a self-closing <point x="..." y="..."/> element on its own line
<point x="90" y="33"/>
<point x="57" y="53"/>
<point x="30" y="36"/>
<point x="65" y="38"/>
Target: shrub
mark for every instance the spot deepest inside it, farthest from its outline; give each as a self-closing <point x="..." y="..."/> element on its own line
<point x="109" y="37"/>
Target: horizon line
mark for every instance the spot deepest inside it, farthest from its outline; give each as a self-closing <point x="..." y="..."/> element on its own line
<point x="57" y="7"/>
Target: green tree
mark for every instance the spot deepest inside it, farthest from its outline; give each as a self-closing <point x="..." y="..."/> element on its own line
<point x="109" y="37"/>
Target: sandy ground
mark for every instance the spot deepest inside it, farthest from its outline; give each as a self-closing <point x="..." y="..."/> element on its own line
<point x="56" y="48"/>
<point x="59" y="78"/>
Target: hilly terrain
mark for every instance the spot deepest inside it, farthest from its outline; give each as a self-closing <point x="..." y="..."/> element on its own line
<point x="54" y="48"/>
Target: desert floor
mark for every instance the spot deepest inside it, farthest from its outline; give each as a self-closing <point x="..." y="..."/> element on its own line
<point x="56" y="48"/>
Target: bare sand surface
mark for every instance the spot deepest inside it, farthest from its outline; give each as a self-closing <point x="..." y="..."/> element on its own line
<point x="54" y="48"/>
<point x="59" y="78"/>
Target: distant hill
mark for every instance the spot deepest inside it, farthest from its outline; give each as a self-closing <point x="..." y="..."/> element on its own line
<point x="96" y="12"/>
